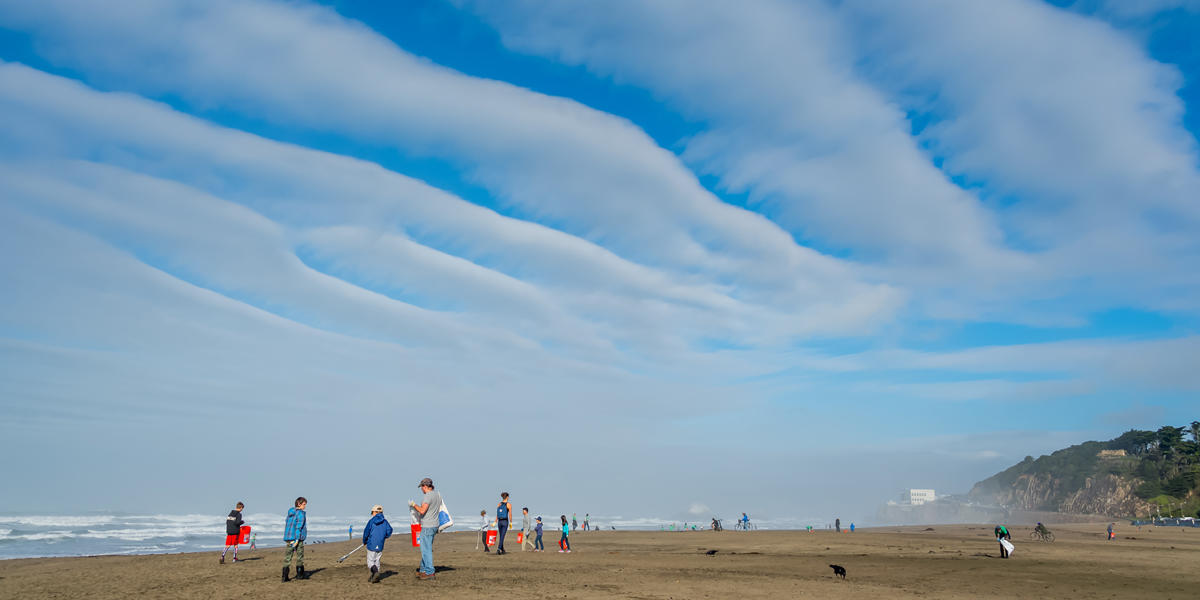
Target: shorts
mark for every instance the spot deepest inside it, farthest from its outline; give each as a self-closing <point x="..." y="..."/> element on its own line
<point x="232" y="540"/>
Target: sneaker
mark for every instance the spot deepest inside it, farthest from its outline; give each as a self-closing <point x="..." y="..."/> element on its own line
<point x="568" y="551"/>
<point x="234" y="559"/>
<point x="425" y="576"/>
<point x="561" y="551"/>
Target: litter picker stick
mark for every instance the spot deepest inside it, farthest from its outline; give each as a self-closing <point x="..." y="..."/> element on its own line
<point x="351" y="552"/>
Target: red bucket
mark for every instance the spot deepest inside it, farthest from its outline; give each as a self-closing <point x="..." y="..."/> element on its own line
<point x="491" y="538"/>
<point x="520" y="537"/>
<point x="244" y="535"/>
<point x="416" y="534"/>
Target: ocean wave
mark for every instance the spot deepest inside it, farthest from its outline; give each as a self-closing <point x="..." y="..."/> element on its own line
<point x="56" y="521"/>
<point x="41" y="536"/>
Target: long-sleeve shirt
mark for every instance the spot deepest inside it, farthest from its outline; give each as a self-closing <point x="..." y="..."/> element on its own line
<point x="526" y="523"/>
<point x="483" y="524"/>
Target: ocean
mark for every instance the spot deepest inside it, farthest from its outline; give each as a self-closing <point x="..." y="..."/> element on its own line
<point x="29" y="536"/>
<point x="25" y="536"/>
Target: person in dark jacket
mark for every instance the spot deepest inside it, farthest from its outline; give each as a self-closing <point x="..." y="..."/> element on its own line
<point x="233" y="531"/>
<point x="295" y="531"/>
<point x="503" y="514"/>
<point x="377" y="530"/>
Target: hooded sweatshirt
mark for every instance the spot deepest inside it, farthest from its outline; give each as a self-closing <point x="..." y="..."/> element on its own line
<point x="296" y="525"/>
<point x="377" y="530"/>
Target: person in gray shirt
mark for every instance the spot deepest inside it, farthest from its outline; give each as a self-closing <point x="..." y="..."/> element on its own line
<point x="526" y="528"/>
<point x="430" y="506"/>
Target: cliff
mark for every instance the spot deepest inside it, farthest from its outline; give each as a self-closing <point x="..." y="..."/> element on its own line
<point x="1139" y="473"/>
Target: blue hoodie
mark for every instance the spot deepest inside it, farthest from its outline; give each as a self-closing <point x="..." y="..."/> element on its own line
<point x="377" y="530"/>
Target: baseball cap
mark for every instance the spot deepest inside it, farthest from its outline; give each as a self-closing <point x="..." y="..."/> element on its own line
<point x="377" y="508"/>
<point x="427" y="481"/>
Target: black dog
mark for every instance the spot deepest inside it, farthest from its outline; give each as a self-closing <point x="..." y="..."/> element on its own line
<point x="711" y="552"/>
<point x="838" y="570"/>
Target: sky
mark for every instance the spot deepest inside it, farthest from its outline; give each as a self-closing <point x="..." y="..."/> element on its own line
<point x="642" y="259"/>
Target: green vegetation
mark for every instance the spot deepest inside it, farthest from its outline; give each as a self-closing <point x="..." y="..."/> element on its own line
<point x="1164" y="465"/>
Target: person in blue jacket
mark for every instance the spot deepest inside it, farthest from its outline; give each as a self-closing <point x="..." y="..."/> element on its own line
<point x="377" y="530"/>
<point x="295" y="531"/>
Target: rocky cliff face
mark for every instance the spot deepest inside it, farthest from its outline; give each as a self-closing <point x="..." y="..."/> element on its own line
<point x="1100" y="495"/>
<point x="1106" y="495"/>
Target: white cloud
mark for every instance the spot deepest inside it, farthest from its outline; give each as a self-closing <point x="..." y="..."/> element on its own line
<point x="588" y="173"/>
<point x="806" y="105"/>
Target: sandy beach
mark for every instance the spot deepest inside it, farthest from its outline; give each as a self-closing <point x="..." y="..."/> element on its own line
<point x="959" y="561"/>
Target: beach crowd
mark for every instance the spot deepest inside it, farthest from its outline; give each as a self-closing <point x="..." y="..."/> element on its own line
<point x="430" y="517"/>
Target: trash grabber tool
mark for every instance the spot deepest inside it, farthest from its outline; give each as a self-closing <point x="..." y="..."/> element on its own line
<point x="351" y="552"/>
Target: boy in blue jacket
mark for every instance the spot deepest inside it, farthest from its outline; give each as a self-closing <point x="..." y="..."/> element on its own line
<point x="377" y="530"/>
<point x="295" y="531"/>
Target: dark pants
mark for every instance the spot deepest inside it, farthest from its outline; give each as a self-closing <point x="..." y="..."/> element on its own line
<point x="483" y="538"/>
<point x="564" y="543"/>
<point x="537" y="544"/>
<point x="502" y="528"/>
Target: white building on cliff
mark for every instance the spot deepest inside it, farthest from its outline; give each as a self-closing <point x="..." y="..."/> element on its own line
<point x="917" y="497"/>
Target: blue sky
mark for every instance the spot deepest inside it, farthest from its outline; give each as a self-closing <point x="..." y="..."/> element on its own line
<point x="828" y="249"/>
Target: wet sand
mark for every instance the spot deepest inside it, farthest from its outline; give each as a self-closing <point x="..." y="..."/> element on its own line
<point x="958" y="561"/>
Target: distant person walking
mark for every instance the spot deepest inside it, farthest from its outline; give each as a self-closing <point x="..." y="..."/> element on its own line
<point x="253" y="536"/>
<point x="430" y="506"/>
<point x="295" y="531"/>
<point x="233" y="531"/>
<point x="503" y="512"/>
<point x="538" y="546"/>
<point x="564" y="545"/>
<point x="1111" y="535"/>
<point x="852" y="528"/>
<point x="483" y="529"/>
<point x="586" y="518"/>
<point x="574" y="523"/>
<point x="1002" y="535"/>
<point x="745" y="522"/>
<point x="351" y="532"/>
<point x="526" y="528"/>
<point x="375" y="532"/>
<point x="837" y="524"/>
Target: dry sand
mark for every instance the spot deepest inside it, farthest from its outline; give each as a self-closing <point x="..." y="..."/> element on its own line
<point x="957" y="561"/>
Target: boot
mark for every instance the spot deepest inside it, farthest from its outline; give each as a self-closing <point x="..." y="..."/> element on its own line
<point x="371" y="577"/>
<point x="285" y="575"/>
<point x="300" y="572"/>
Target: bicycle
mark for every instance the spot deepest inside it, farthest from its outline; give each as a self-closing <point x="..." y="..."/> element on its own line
<point x="1038" y="536"/>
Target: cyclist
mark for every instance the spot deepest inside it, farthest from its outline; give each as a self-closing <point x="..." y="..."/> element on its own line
<point x="1041" y="530"/>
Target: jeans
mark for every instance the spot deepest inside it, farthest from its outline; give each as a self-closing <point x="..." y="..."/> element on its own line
<point x="538" y="544"/>
<point x="564" y="543"/>
<point x="502" y="528"/>
<point x="427" y="549"/>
